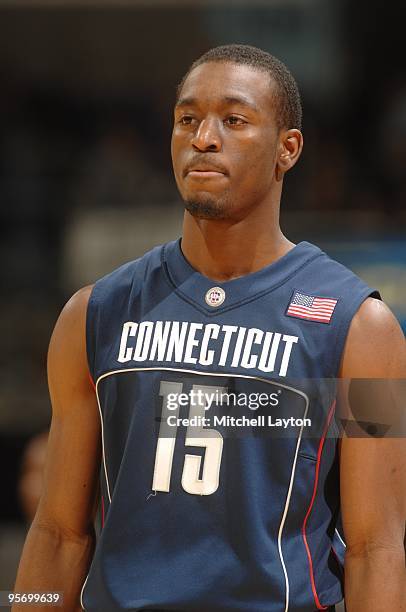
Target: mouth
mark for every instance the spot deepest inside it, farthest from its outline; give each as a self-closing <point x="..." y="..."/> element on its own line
<point x="204" y="170"/>
<point x="205" y="174"/>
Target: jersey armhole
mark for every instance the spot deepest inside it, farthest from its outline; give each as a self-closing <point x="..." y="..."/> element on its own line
<point x="91" y="315"/>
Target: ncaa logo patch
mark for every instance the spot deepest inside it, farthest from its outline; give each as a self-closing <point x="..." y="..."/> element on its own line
<point x="215" y="296"/>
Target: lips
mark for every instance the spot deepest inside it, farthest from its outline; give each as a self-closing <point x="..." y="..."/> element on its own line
<point x="204" y="174"/>
<point x="205" y="169"/>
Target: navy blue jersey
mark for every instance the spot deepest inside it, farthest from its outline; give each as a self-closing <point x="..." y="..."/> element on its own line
<point x="212" y="505"/>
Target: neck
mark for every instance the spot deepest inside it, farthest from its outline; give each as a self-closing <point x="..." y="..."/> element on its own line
<point x="225" y="249"/>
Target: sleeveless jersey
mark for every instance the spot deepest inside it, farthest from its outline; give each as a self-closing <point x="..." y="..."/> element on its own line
<point x="209" y="505"/>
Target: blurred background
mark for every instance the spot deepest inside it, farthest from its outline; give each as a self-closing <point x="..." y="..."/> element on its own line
<point x="86" y="95"/>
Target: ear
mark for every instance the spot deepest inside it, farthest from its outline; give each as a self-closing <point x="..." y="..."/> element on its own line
<point x="290" y="148"/>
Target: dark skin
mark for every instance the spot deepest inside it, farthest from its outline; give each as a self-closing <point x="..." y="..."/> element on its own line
<point x="225" y="118"/>
<point x="231" y="228"/>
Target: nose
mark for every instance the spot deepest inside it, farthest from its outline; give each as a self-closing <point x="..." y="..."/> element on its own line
<point x="207" y="136"/>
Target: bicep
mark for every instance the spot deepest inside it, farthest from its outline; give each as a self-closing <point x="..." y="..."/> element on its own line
<point x="73" y="453"/>
<point x="375" y="345"/>
<point x="373" y="469"/>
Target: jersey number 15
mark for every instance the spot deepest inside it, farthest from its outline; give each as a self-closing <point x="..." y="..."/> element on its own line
<point x="210" y="439"/>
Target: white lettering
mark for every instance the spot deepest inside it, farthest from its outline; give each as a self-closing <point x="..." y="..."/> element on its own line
<point x="129" y="329"/>
<point x="268" y="354"/>
<point x="238" y="347"/>
<point x="228" y="330"/>
<point x="143" y="340"/>
<point x="159" y="341"/>
<point x="211" y="331"/>
<point x="176" y="341"/>
<point x="189" y="342"/>
<point x="290" y="340"/>
<point x="192" y="342"/>
<point x="254" y="336"/>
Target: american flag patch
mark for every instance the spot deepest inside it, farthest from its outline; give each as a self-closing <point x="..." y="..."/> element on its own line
<point x="311" y="308"/>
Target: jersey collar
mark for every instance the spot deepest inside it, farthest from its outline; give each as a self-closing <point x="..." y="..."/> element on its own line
<point x="193" y="286"/>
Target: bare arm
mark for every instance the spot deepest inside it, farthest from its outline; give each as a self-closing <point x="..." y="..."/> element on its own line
<point x="60" y="542"/>
<point x="373" y="474"/>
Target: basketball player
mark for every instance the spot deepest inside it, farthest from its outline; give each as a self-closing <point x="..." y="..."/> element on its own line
<point x="208" y="522"/>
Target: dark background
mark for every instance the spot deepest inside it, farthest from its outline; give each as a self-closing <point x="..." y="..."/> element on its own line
<point x="85" y="174"/>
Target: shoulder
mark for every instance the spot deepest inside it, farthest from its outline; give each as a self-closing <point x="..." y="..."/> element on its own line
<point x="67" y="347"/>
<point x="74" y="311"/>
<point x="375" y="345"/>
<point x="328" y="277"/>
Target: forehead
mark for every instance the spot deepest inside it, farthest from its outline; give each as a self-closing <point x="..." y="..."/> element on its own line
<point x="214" y="82"/>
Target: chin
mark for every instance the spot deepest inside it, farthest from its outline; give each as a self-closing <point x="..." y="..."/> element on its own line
<point x="206" y="208"/>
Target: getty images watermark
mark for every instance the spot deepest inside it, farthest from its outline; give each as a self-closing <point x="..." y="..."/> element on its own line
<point x="238" y="406"/>
<point x="201" y="401"/>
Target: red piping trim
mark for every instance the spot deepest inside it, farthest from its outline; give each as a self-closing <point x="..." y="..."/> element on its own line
<point x="92" y="381"/>
<point x="316" y="480"/>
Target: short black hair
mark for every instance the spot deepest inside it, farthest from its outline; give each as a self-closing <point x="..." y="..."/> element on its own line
<point x="289" y="106"/>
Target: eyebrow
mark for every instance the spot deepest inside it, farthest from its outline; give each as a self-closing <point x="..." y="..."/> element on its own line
<point x="239" y="100"/>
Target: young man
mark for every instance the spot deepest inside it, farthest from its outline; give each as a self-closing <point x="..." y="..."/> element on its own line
<point x="193" y="519"/>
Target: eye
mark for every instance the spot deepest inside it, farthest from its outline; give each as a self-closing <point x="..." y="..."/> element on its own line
<point x="185" y="120"/>
<point x="234" y="120"/>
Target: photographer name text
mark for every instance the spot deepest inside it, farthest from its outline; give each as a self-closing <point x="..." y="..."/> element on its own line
<point x="241" y="421"/>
